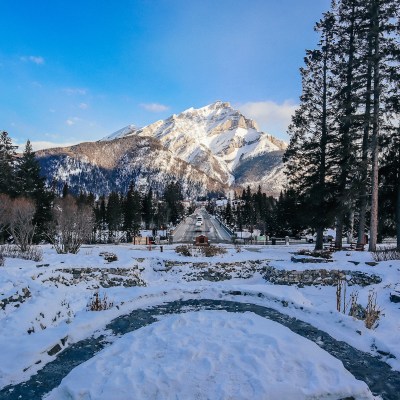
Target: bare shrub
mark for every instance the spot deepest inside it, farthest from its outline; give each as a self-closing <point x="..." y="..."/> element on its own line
<point x="238" y="248"/>
<point x="16" y="215"/>
<point x="1" y="260"/>
<point x="370" y="315"/>
<point x="184" y="250"/>
<point x="72" y="225"/>
<point x="99" y="303"/>
<point x="356" y="310"/>
<point x="211" y="251"/>
<point x="372" y="311"/>
<point x="34" y="253"/>
<point x="386" y="254"/>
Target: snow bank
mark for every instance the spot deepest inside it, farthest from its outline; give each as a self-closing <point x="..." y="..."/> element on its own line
<point x="211" y="354"/>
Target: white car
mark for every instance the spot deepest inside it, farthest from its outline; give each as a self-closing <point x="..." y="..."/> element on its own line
<point x="328" y="237"/>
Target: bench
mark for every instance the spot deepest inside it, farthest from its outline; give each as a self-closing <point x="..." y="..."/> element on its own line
<point x="331" y="247"/>
<point x="357" y="247"/>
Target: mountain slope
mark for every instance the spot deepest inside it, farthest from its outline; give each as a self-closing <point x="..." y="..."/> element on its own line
<point x="217" y="139"/>
<point x="103" y="166"/>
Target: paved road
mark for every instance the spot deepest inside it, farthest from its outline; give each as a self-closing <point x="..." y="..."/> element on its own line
<point x="186" y="231"/>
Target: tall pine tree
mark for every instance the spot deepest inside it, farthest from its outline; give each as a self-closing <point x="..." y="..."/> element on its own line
<point x="7" y="158"/>
<point x="308" y="166"/>
<point x="29" y="183"/>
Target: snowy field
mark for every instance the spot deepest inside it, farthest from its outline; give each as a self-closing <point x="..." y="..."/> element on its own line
<point x="202" y="354"/>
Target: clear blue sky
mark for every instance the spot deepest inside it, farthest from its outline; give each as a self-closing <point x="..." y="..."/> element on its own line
<point x="79" y="70"/>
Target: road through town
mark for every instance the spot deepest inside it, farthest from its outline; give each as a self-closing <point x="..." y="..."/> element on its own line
<point x="187" y="229"/>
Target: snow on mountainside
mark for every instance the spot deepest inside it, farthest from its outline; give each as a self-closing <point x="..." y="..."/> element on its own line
<point x="207" y="149"/>
<point x="121" y="133"/>
<point x="105" y="166"/>
<point x="217" y="139"/>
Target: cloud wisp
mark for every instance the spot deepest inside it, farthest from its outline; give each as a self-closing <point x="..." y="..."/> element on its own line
<point x="38" y="60"/>
<point x="72" y="121"/>
<point x="154" y="107"/>
<point x="72" y="91"/>
<point x="272" y="117"/>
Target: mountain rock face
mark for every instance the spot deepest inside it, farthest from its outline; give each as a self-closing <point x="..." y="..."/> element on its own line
<point x="223" y="143"/>
<point x="105" y="166"/>
<point x="207" y="149"/>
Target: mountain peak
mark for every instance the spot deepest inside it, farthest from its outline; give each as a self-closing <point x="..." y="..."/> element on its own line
<point x="127" y="130"/>
<point x="219" y="104"/>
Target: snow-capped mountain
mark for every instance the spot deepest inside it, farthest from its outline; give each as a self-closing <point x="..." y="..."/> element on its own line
<point x="215" y="146"/>
<point x="217" y="139"/>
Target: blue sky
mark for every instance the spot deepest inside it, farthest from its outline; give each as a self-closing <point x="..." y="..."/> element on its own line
<point x="76" y="71"/>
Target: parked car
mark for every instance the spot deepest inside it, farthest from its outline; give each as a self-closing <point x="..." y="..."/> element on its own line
<point x="328" y="237"/>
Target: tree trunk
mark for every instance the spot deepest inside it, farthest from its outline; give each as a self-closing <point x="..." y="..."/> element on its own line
<point x="364" y="159"/>
<point x="319" y="242"/>
<point x="351" y="230"/>
<point x="398" y="211"/>
<point x="339" y="230"/>
<point x="344" y="131"/>
<point x="375" y="129"/>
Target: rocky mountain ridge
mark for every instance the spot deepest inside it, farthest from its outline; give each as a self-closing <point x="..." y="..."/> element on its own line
<point x="210" y="148"/>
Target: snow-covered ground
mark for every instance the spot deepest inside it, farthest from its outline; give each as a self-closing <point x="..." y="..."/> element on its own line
<point x="43" y="307"/>
<point x="211" y="354"/>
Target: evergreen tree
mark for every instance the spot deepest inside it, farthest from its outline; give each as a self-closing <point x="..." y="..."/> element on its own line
<point x="132" y="213"/>
<point x="30" y="184"/>
<point x="114" y="215"/>
<point x="384" y="29"/>
<point x="228" y="213"/>
<point x="65" y="190"/>
<point x="7" y="157"/>
<point x="312" y="132"/>
<point x="347" y="107"/>
<point x="173" y="200"/>
<point x="148" y="209"/>
<point x="100" y="215"/>
<point x="349" y="82"/>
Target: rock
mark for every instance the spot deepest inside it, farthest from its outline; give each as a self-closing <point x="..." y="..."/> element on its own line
<point x="385" y="354"/>
<point x="54" y="350"/>
<point x="371" y="263"/>
<point x="395" y="297"/>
